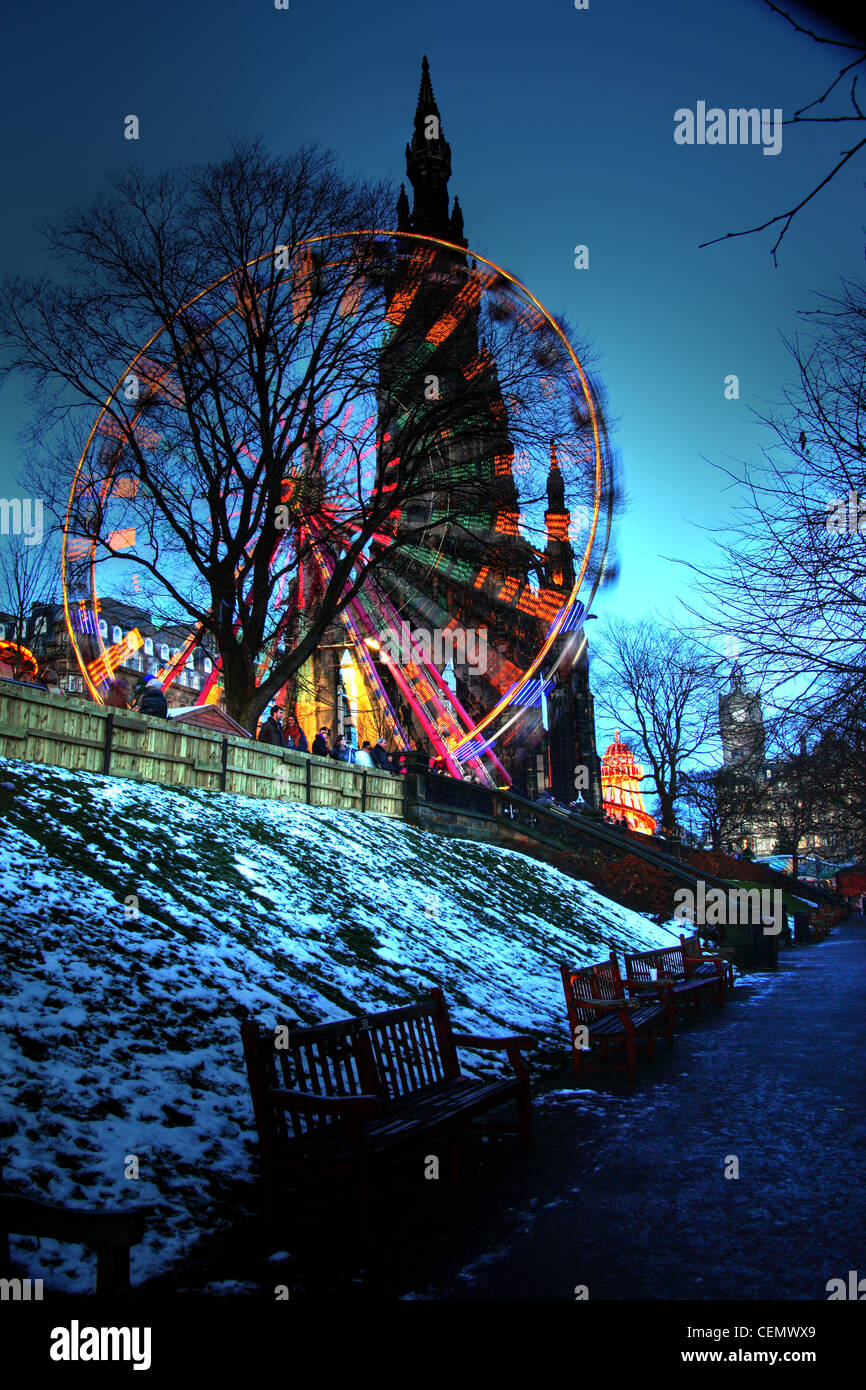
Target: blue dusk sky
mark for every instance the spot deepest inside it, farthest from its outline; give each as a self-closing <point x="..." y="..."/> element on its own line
<point x="561" y="125"/>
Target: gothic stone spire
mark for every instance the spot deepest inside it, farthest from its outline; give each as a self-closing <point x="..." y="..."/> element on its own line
<point x="428" y="164"/>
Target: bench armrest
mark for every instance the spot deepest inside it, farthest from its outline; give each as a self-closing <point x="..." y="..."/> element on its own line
<point x="306" y="1102"/>
<point x="521" y="1041"/>
<point x="606" y="1005"/>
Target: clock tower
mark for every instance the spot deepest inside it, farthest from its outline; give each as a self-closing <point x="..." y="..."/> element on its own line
<point x="741" y="722"/>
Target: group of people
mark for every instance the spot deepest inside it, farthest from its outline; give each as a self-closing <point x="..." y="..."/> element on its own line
<point x="343" y="750"/>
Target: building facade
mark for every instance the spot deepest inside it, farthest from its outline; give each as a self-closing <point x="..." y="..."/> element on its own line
<point x="486" y="578"/>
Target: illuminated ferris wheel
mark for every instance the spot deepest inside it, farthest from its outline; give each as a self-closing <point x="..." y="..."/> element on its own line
<point x="483" y="534"/>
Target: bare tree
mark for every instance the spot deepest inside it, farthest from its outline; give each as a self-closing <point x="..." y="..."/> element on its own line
<point x="838" y="725"/>
<point x="710" y="797"/>
<point x="852" y="117"/>
<point x="273" y="428"/>
<point x="790" y="580"/>
<point x="28" y="577"/>
<point x="660" y="687"/>
<point x="788" y="801"/>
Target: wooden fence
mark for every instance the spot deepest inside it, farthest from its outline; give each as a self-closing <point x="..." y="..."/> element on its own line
<point x="81" y="735"/>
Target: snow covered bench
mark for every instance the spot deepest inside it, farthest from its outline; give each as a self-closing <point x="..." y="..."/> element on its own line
<point x="338" y="1095"/>
<point x="601" y="1011"/>
<point x="671" y="968"/>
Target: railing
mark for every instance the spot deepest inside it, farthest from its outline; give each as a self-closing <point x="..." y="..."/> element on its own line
<point x="583" y="831"/>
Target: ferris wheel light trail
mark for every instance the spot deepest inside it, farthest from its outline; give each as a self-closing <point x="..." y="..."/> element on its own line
<point x="426" y="685"/>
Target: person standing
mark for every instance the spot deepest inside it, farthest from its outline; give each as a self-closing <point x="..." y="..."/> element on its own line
<point x="381" y="758"/>
<point x="115" y="695"/>
<point x="52" y="684"/>
<point x="271" y="729"/>
<point x="295" y="736"/>
<point x="341" y="751"/>
<point x="320" y="743"/>
<point x="152" y="700"/>
<point x="364" y="756"/>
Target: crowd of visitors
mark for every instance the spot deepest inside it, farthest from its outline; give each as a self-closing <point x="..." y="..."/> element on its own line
<point x="344" y="748"/>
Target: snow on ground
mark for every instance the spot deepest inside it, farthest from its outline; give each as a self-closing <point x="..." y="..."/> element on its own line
<point x="141" y="924"/>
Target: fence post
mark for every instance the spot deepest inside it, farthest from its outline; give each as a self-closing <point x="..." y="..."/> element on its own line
<point x="224" y="764"/>
<point x="309" y="780"/>
<point x="364" y="790"/>
<point x="109" y="734"/>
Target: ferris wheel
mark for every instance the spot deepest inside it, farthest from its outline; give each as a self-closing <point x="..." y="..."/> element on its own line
<point x="495" y="548"/>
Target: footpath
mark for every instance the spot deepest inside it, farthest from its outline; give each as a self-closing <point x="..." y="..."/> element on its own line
<point x="625" y="1190"/>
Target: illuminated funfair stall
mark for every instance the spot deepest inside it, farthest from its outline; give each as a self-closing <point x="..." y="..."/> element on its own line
<point x="620" y="787"/>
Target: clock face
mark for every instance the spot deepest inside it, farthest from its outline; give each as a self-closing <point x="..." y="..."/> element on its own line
<point x="738" y="715"/>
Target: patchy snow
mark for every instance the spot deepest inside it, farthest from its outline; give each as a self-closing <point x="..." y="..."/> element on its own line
<point x="141" y="924"/>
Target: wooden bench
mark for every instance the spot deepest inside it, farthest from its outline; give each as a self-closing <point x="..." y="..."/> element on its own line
<point x="821" y="924"/>
<point x="706" y="964"/>
<point x="338" y="1095"/>
<point x="669" y="967"/>
<point x="110" y="1233"/>
<point x="600" y="1011"/>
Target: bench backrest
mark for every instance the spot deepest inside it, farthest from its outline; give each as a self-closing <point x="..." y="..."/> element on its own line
<point x="389" y="1054"/>
<point x="666" y="961"/>
<point x="599" y="981"/>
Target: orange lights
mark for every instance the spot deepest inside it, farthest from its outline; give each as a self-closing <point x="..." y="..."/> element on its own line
<point x="421" y="260"/>
<point x="558" y="524"/>
<point x="125" y="487"/>
<point x="124" y="539"/>
<point x="508" y="523"/>
<point x="621" y="777"/>
<point x="108" y="661"/>
<point x="18" y="659"/>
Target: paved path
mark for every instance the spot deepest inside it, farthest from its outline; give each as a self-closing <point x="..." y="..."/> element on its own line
<point x="624" y="1192"/>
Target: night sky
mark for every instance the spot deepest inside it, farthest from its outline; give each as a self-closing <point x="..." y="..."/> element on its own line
<point x="561" y="126"/>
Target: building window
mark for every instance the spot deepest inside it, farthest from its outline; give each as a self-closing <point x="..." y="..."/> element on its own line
<point x="148" y="646"/>
<point x="163" y="651"/>
<point x="116" y="634"/>
<point x="103" y="628"/>
<point x="208" y="665"/>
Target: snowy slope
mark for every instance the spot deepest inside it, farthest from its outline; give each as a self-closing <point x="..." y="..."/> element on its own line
<point x="122" y="1032"/>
